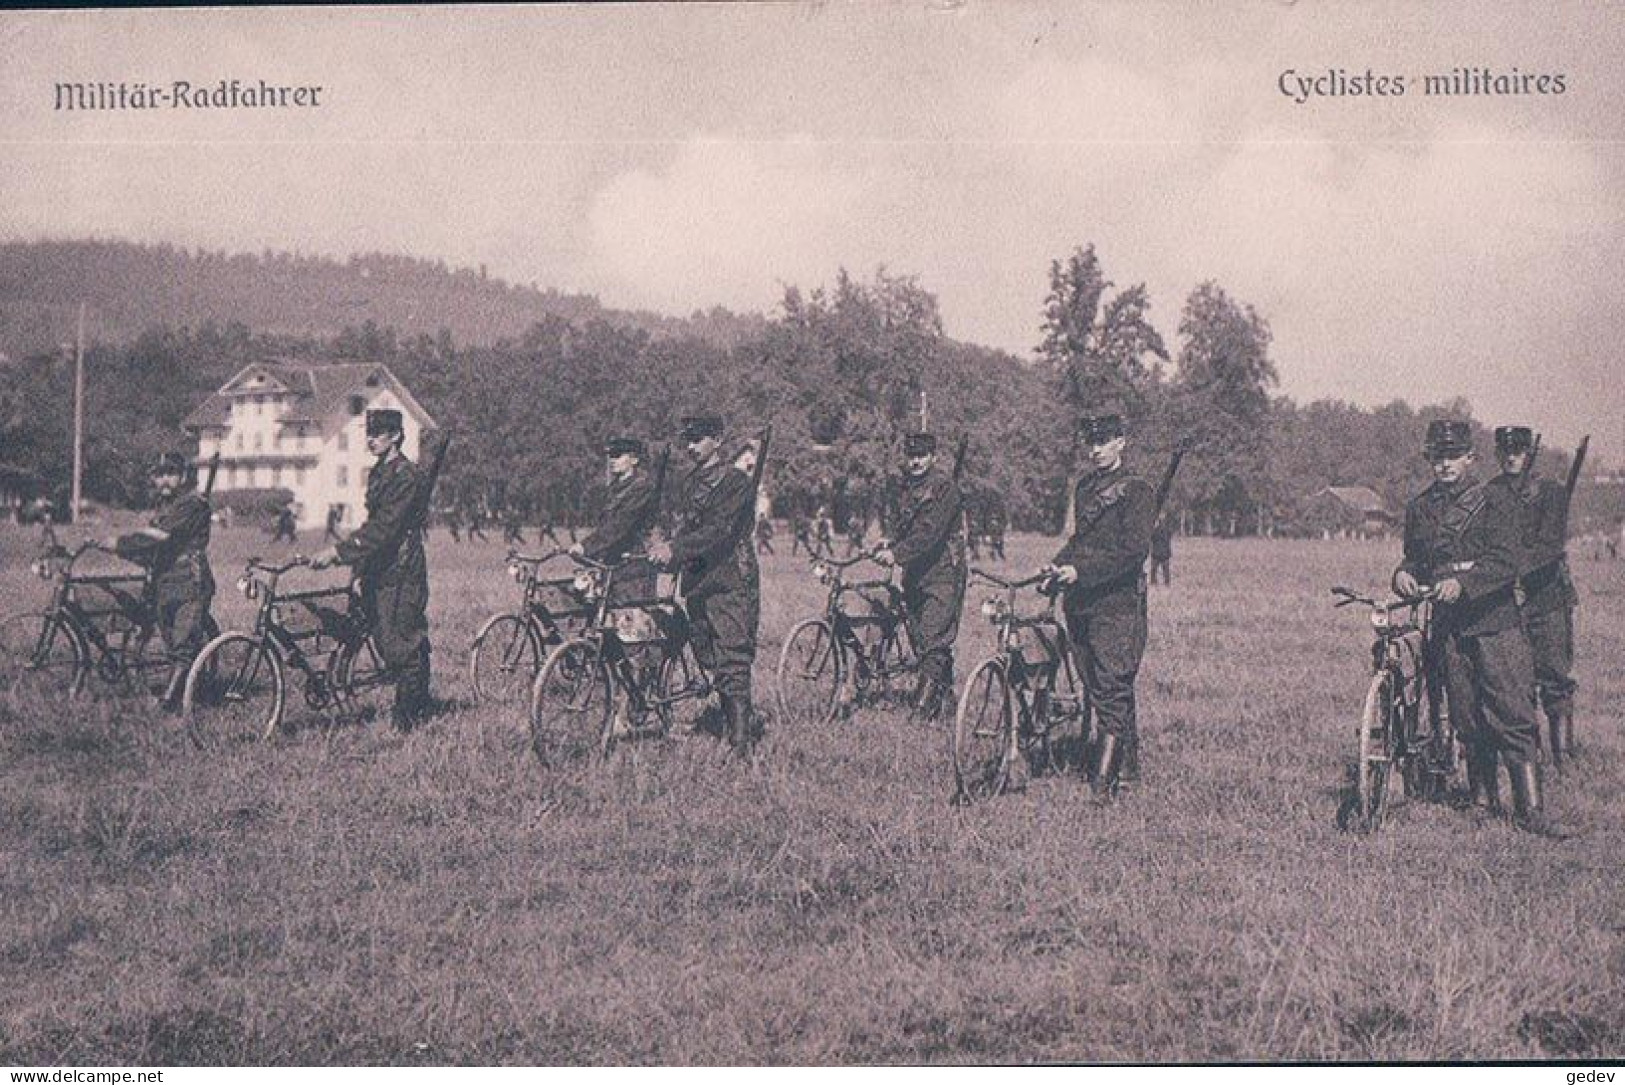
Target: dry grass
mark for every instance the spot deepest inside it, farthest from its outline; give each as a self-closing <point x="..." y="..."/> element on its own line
<point x="440" y="899"/>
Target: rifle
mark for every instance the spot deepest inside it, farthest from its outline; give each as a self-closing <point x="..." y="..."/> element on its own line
<point x="214" y="470"/>
<point x="1529" y="461"/>
<point x="418" y="515"/>
<point x="1574" y="468"/>
<point x="1167" y="483"/>
<point x="959" y="456"/>
<point x="756" y="473"/>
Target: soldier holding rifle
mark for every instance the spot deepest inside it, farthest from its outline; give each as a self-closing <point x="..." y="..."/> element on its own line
<point x="174" y="549"/>
<point x="1463" y="539"/>
<point x="386" y="553"/>
<point x="1102" y="567"/>
<point x="712" y="554"/>
<point x="1548" y="592"/>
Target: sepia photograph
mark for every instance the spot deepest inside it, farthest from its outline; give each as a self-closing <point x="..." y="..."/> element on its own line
<point x="946" y="533"/>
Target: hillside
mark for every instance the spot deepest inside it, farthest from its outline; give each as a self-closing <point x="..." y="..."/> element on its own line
<point x="130" y="287"/>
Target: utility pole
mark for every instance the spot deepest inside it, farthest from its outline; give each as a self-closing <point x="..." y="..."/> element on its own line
<point x="78" y="413"/>
<point x="925" y="413"/>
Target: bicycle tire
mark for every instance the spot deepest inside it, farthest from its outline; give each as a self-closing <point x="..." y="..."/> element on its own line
<point x="1377" y="741"/>
<point x="650" y="676"/>
<point x="571" y="702"/>
<point x="360" y="680"/>
<point x="236" y="692"/>
<point x="984" y="733"/>
<point x="811" y="673"/>
<point x="504" y="660"/>
<point x="44" y="651"/>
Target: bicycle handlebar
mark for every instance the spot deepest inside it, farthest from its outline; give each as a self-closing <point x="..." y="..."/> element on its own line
<point x="1348" y="596"/>
<point x="536" y="559"/>
<point x="1012" y="585"/>
<point x="295" y="562"/>
<point x="846" y="563"/>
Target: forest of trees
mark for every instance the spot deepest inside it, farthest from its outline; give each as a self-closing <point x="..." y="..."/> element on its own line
<point x="841" y="371"/>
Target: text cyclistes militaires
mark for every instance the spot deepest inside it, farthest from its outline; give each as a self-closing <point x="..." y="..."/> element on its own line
<point x="182" y="94"/>
<point x="1465" y="82"/>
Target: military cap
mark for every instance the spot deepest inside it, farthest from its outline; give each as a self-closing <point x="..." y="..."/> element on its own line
<point x="1448" y="437"/>
<point x="170" y="463"/>
<point x="1097" y="429"/>
<point x="696" y="426"/>
<point x="919" y="444"/>
<point x="624" y="446"/>
<point x="1514" y="438"/>
<point x="383" y="420"/>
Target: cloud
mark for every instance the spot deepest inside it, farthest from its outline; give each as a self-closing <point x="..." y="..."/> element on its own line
<point x="724" y="221"/>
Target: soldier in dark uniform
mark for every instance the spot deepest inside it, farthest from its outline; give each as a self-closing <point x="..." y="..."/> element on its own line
<point x="477" y="517"/>
<point x="386" y="553"/>
<point x="335" y="516"/>
<point x="1102" y="566"/>
<point x="284" y="526"/>
<point x="1549" y="598"/>
<point x="997" y="520"/>
<point x="824" y="540"/>
<point x="801" y="534"/>
<point x="929" y="546"/>
<point x="629" y="516"/>
<point x="453" y="518"/>
<point x="1162" y="550"/>
<point x="764" y="534"/>
<point x="1463" y="538"/>
<point x="513" y="525"/>
<point x="711" y="553"/>
<point x="174" y="549"/>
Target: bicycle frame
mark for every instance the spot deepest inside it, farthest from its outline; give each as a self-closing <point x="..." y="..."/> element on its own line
<point x="260" y="583"/>
<point x="616" y="653"/>
<point x="543" y="621"/>
<point x="869" y="662"/>
<point x="130" y="598"/>
<point x="1034" y="685"/>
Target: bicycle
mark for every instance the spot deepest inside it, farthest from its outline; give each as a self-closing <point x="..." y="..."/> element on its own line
<point x="236" y="690"/>
<point x="1391" y="732"/>
<point x="509" y="649"/>
<point x="103" y="624"/>
<point x="1018" y="699"/>
<point x="859" y="646"/>
<point x="649" y="667"/>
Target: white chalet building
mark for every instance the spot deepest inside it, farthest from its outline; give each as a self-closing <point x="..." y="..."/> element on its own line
<point x="301" y="427"/>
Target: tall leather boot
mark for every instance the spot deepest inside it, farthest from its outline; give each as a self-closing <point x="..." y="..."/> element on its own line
<point x="1565" y="716"/>
<point x="1554" y="724"/>
<point x="174" y="688"/>
<point x="1528" y="802"/>
<point x="1128" y="772"/>
<point x="1484" y="782"/>
<point x="928" y="696"/>
<point x="741" y="725"/>
<point x="1107" y="754"/>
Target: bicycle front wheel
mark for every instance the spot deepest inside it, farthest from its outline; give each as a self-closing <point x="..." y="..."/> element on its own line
<point x="983" y="733"/>
<point x="810" y="671"/>
<point x="41" y="651"/>
<point x="235" y="692"/>
<point x="1376" y="750"/>
<point x="504" y="661"/>
<point x="570" y="704"/>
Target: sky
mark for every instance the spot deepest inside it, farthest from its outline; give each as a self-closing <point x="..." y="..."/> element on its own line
<point x="671" y="158"/>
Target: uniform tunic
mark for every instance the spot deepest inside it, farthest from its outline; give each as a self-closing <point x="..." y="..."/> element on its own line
<point x="1471" y="532"/>
<point x="387" y="554"/>
<point x="624" y="532"/>
<point x="1549" y="598"/>
<point x="1105" y="609"/>
<point x="718" y="574"/>
<point x="182" y="582"/>
<point x="929" y="545"/>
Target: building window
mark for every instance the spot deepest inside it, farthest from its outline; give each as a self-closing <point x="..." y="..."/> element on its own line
<point x="298" y="476"/>
<point x="239" y="440"/>
<point x="231" y="478"/>
<point x="259" y="441"/>
<point x="357" y="405"/>
<point x="343" y="478"/>
<point x="344" y="440"/>
<point x="276" y="476"/>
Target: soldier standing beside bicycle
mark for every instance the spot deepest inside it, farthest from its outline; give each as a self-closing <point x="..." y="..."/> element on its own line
<point x="929" y="545"/>
<point x="712" y="554"/>
<point x="1548" y="592"/>
<point x="174" y="549"/>
<point x="386" y="553"/>
<point x="1462" y="538"/>
<point x="1102" y="567"/>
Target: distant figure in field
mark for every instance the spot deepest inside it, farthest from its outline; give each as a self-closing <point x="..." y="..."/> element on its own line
<point x="824" y="540"/>
<point x="856" y="528"/>
<point x="801" y="535"/>
<point x="331" y="532"/>
<point x="284" y="530"/>
<point x="1162" y="550"/>
<point x="454" y="523"/>
<point x="513" y="527"/>
<point x="764" y="535"/>
<point x="996" y="523"/>
<point x="476" y="523"/>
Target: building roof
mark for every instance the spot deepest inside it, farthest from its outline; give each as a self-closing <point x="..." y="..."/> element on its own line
<point x="318" y="390"/>
<point x="1358" y="498"/>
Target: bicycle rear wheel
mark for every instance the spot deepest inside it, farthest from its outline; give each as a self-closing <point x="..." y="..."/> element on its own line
<point x="809" y="678"/>
<point x="570" y="704"/>
<point x="235" y="692"/>
<point x="504" y="661"/>
<point x="361" y="683"/>
<point x="984" y="732"/>
<point x="1378" y="736"/>
<point x="41" y="651"/>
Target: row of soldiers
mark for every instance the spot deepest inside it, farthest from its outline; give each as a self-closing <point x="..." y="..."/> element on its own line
<point x="1492" y="552"/>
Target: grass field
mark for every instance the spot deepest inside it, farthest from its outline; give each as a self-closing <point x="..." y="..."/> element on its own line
<point x="438" y="898"/>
